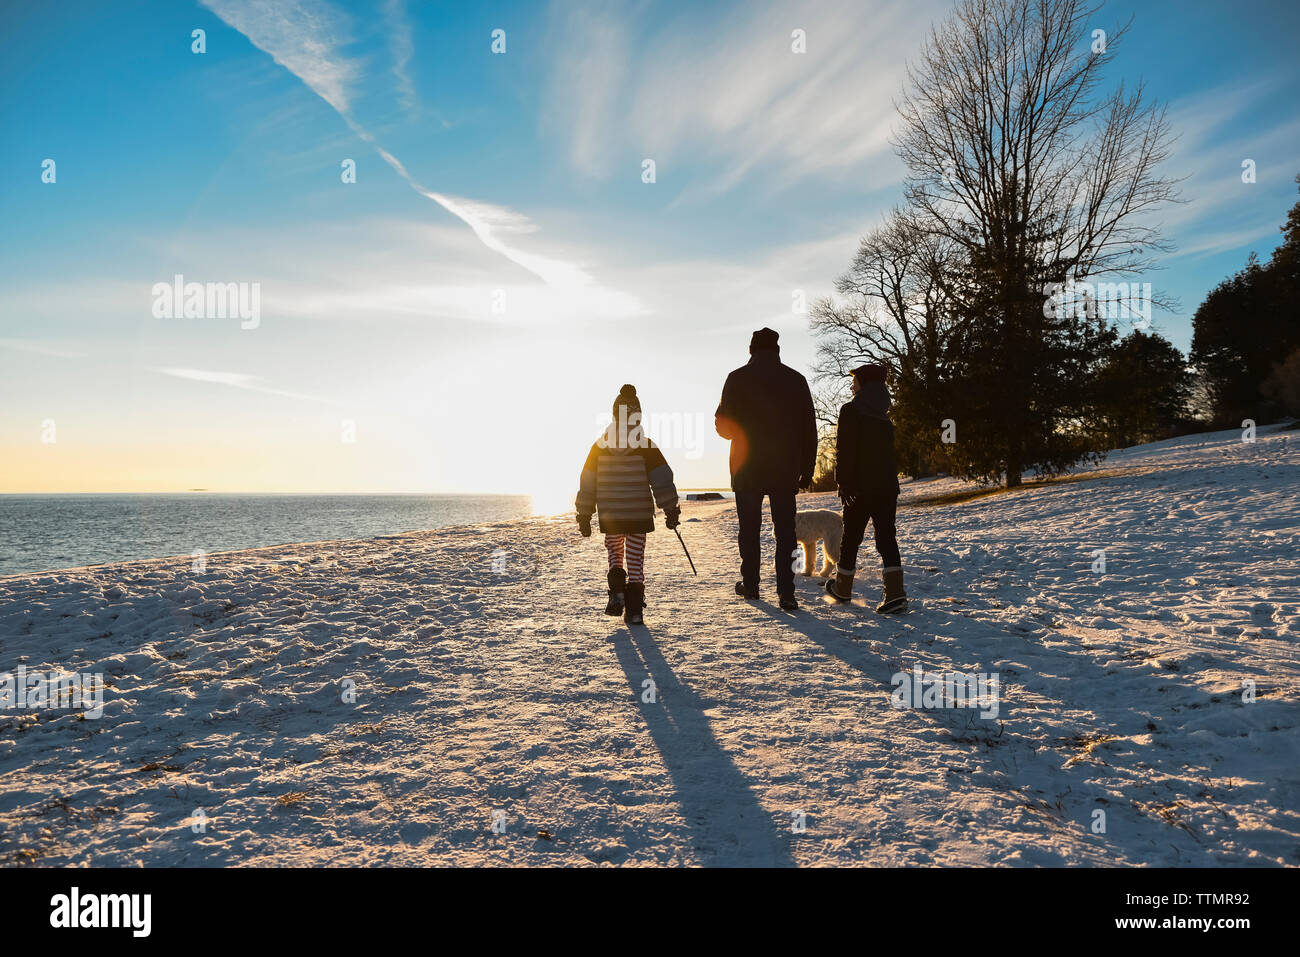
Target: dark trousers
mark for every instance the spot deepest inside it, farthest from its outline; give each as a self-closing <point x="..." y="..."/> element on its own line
<point x="880" y="512"/>
<point x="749" y="511"/>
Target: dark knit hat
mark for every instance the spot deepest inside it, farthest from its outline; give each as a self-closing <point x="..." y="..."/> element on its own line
<point x="764" y="338"/>
<point x="869" y="373"/>
<point x="627" y="397"/>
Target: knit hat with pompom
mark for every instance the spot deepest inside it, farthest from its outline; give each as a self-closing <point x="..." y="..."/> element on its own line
<point x="627" y="397"/>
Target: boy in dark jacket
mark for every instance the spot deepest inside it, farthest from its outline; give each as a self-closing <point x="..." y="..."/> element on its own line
<point x="867" y="475"/>
<point x="622" y="469"/>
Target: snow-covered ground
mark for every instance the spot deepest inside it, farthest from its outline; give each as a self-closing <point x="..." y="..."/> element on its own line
<point x="490" y="689"/>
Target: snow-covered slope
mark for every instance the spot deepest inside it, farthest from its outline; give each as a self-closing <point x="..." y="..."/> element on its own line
<point x="490" y="689"/>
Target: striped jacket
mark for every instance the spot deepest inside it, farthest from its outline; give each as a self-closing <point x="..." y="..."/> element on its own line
<point x="618" y="482"/>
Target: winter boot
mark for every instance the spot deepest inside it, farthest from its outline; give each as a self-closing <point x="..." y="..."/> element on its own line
<point x="635" y="603"/>
<point x="841" y="586"/>
<point x="746" y="591"/>
<point x="788" y="602"/>
<point x="895" y="600"/>
<point x="617" y="578"/>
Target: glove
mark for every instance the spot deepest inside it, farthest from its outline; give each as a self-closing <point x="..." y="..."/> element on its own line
<point x="805" y="481"/>
<point x="584" y="526"/>
<point x="673" y="519"/>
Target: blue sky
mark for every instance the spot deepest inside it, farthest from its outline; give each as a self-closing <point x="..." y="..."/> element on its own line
<point x="510" y="178"/>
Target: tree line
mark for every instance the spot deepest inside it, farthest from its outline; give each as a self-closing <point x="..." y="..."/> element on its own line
<point x="996" y="291"/>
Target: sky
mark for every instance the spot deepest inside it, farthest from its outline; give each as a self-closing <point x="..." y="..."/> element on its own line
<point x="460" y="317"/>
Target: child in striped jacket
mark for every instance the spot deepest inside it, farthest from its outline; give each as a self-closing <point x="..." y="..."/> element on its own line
<point x="622" y="470"/>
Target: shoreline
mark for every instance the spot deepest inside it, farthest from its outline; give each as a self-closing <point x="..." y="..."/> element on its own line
<point x="178" y="556"/>
<point x="929" y="491"/>
<point x="336" y="542"/>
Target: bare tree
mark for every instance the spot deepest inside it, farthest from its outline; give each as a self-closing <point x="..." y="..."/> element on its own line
<point x="1018" y="162"/>
<point x="896" y="307"/>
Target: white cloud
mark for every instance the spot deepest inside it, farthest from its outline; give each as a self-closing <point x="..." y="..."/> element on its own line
<point x="729" y="92"/>
<point x="1207" y="243"/>
<point x="589" y="81"/>
<point x="235" y="380"/>
<point x="1220" y="212"/>
<point x="38" y="347"/>
<point x="492" y="223"/>
<point x="379" y="270"/>
<point x="304" y="37"/>
<point x="402" y="48"/>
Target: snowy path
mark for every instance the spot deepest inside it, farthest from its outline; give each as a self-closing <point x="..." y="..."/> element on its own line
<point x="482" y="691"/>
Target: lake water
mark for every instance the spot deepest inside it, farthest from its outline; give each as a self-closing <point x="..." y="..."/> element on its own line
<point x="46" y="532"/>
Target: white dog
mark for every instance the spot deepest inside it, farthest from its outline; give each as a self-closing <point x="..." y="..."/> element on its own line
<point x="819" y="525"/>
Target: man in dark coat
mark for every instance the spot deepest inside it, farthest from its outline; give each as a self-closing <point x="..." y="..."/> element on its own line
<point x="867" y="475"/>
<point x="767" y="413"/>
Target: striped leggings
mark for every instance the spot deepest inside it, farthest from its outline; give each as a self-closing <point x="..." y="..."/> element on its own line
<point x="634" y="545"/>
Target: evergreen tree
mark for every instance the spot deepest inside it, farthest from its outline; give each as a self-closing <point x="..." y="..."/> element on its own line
<point x="1246" y="328"/>
<point x="1142" y="391"/>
